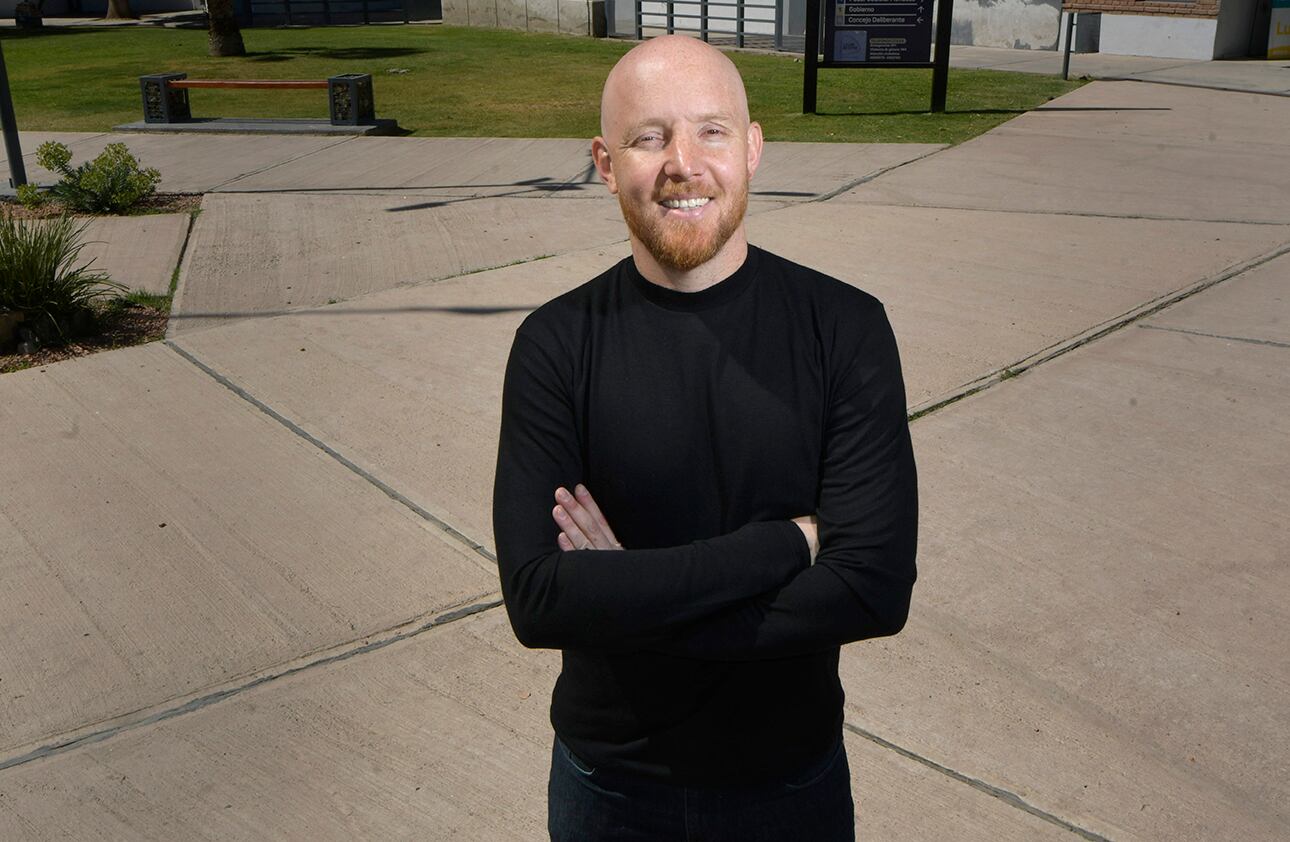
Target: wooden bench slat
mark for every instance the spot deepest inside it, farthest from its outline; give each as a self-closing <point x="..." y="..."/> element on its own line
<point x="248" y="83"/>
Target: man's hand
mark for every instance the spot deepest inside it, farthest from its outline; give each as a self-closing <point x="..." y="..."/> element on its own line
<point x="582" y="526"/>
<point x="810" y="528"/>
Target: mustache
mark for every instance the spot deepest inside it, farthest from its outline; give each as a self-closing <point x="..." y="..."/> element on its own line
<point x="685" y="190"/>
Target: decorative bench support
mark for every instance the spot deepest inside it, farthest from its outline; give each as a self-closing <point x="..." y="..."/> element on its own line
<point x="161" y="102"/>
<point x="349" y="96"/>
<point x="350" y="99"/>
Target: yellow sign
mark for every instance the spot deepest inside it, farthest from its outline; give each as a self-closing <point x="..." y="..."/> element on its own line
<point x="1279" y="31"/>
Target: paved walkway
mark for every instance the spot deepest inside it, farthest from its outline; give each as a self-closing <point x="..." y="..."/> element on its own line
<point x="1251" y="75"/>
<point x="249" y="581"/>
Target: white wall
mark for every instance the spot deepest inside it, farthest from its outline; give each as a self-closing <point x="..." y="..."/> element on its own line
<point x="1157" y="35"/>
<point x="1020" y="24"/>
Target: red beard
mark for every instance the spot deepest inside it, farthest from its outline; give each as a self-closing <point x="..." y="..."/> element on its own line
<point x="680" y="244"/>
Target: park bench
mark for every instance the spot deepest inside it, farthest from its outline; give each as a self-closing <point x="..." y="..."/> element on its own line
<point x="349" y="95"/>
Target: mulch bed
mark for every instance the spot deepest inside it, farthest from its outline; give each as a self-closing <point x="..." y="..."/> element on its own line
<point x="120" y="325"/>
<point x="156" y="203"/>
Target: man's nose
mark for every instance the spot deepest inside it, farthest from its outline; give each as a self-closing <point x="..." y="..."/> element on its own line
<point x="683" y="159"/>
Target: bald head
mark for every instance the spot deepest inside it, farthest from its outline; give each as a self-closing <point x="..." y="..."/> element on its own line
<point x="685" y="67"/>
<point x="678" y="150"/>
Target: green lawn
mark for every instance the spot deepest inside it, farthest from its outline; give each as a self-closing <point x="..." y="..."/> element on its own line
<point x="475" y="82"/>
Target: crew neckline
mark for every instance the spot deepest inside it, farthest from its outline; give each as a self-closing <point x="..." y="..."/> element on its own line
<point x="718" y="293"/>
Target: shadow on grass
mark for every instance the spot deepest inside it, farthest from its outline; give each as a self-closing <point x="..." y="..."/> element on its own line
<point x="9" y="33"/>
<point x="336" y="53"/>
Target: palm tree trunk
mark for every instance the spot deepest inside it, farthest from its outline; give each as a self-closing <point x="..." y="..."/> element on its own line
<point x="119" y="9"/>
<point x="225" y="37"/>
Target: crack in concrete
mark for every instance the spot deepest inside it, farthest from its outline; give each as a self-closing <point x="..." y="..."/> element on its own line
<point x="209" y="699"/>
<point x="1006" y="796"/>
<point x="1269" y="342"/>
<point x="390" y="492"/>
<point x="1094" y="333"/>
<point x="1088" y="214"/>
<point x="1179" y="83"/>
<point x="865" y="179"/>
<point x="177" y="272"/>
<point x="277" y="164"/>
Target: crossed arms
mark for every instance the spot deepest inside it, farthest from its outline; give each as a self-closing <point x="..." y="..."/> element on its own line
<point x="583" y="526"/>
<point x="763" y="590"/>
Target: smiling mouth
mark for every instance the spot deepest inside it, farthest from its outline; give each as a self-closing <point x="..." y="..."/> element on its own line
<point x="684" y="204"/>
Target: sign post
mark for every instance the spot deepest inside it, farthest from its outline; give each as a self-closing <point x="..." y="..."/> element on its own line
<point x="877" y="33"/>
<point x="13" y="150"/>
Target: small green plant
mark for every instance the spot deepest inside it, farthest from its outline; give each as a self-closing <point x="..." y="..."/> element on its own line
<point x="111" y="183"/>
<point x="143" y="298"/>
<point x="30" y="196"/>
<point x="40" y="279"/>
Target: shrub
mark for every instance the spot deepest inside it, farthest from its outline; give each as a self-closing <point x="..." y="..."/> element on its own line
<point x="29" y="196"/>
<point x="39" y="276"/>
<point x="111" y="183"/>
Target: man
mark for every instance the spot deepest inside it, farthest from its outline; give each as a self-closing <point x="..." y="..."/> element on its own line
<point x="741" y="422"/>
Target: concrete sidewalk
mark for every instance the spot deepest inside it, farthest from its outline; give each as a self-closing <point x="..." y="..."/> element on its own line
<point x="251" y="588"/>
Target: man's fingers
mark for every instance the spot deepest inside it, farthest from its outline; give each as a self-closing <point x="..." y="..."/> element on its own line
<point x="581" y="521"/>
<point x="583" y="496"/>
<point x="592" y="528"/>
<point x="570" y="531"/>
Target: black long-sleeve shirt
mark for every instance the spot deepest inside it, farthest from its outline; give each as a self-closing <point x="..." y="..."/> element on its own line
<point x="707" y="651"/>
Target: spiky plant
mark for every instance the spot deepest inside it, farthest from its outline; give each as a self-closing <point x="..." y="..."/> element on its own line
<point x="40" y="276"/>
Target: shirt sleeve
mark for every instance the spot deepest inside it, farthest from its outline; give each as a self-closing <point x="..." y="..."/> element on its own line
<point x="621" y="600"/>
<point x="861" y="582"/>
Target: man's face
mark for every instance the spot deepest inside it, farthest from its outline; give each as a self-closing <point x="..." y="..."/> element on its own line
<point x="678" y="151"/>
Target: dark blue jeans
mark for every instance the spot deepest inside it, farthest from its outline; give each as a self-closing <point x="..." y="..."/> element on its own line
<point x="585" y="804"/>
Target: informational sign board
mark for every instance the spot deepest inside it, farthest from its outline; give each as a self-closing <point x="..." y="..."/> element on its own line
<point x="1279" y="30"/>
<point x="879" y="32"/>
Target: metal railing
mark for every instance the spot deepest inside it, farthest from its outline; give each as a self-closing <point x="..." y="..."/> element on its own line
<point x="737" y="23"/>
<point x="325" y="12"/>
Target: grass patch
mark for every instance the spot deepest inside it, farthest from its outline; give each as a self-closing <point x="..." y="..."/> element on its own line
<point x="140" y="298"/>
<point x="476" y="82"/>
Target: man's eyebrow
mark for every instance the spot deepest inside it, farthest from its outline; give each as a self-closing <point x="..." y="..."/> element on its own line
<point x="634" y="130"/>
<point x="724" y="117"/>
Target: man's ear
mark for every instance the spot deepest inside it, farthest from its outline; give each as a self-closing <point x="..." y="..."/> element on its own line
<point x="754" y="147"/>
<point x="604" y="166"/>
